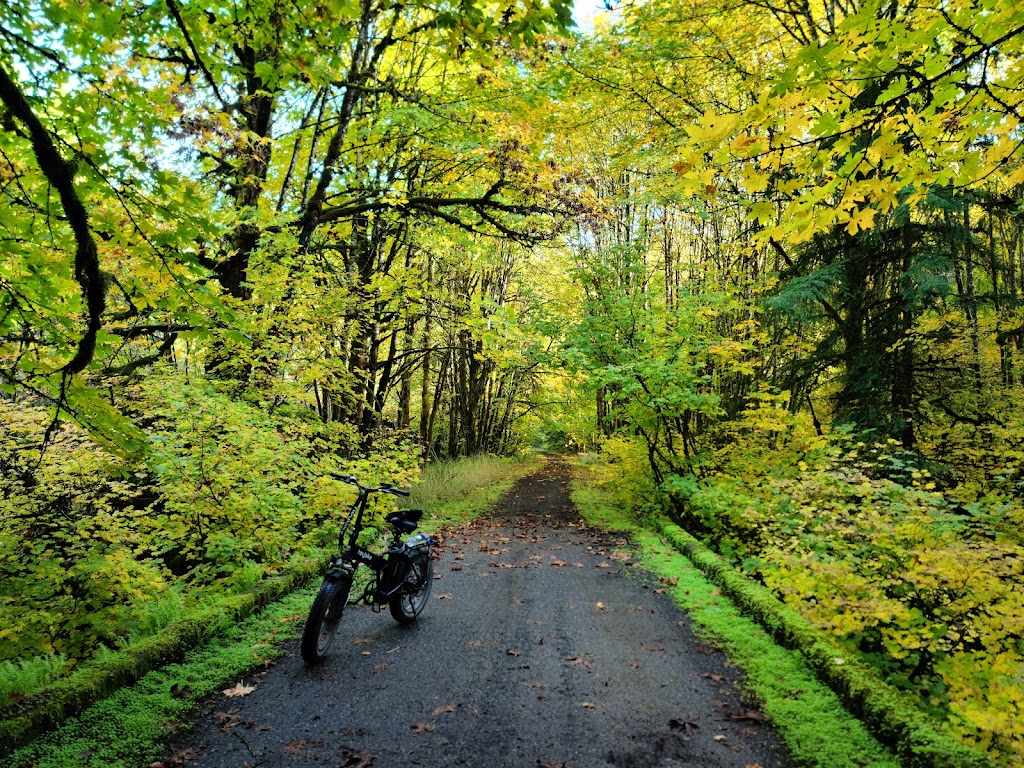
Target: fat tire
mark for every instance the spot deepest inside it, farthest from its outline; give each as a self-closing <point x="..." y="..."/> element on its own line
<point x="323" y="619"/>
<point x="407" y="606"/>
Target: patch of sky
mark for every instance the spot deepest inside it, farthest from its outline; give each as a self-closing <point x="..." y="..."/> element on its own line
<point x="586" y="12"/>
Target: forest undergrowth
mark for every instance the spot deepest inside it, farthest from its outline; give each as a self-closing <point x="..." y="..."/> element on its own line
<point x="98" y="552"/>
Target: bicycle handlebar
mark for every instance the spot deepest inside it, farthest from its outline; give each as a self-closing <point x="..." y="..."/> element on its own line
<point x="351" y="480"/>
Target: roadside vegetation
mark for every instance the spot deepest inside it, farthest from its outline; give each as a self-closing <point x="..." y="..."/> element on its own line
<point x="767" y="259"/>
<point x="852" y="537"/>
<point x="811" y="720"/>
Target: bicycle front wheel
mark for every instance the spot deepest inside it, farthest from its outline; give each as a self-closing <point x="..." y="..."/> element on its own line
<point x="323" y="619"/>
<point x="406" y="606"/>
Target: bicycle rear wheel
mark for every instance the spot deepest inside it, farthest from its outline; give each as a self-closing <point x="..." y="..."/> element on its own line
<point x="406" y="606"/>
<point x="323" y="619"/>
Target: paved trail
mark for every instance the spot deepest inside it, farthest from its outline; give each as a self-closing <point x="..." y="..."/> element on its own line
<point x="538" y="649"/>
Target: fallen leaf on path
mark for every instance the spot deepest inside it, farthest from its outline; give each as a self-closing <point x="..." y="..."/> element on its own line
<point x="602" y="564"/>
<point x="355" y="758"/>
<point x="456" y="568"/>
<point x="578" y="660"/>
<point x="445" y="709"/>
<point x="659" y="591"/>
<point x="749" y="714"/>
<point x="240" y="689"/>
<point x="176" y="760"/>
<point x="226" y="720"/>
<point x="444" y="597"/>
<point x="587" y="705"/>
<point x="422" y="727"/>
<point x="713" y="676"/>
<point x="670" y="582"/>
<point x="646" y="649"/>
<point x="511" y="652"/>
<point x="558" y="563"/>
<point x="546" y="764"/>
<point x="720" y="737"/>
<point x="381" y="667"/>
<point x="300" y="746"/>
<point x="676" y="724"/>
<point x="363" y="641"/>
<point x="602" y="607"/>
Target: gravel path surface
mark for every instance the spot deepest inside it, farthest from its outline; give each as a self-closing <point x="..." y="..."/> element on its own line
<point x="541" y="647"/>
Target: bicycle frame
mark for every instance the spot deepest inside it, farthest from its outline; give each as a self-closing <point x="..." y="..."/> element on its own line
<point x="389" y="582"/>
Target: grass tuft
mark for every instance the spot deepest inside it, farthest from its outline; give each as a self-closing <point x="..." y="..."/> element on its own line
<point x="454" y="492"/>
<point x="23" y="678"/>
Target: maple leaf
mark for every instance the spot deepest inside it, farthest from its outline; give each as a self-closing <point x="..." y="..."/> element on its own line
<point x="297" y="747"/>
<point x="240" y="689"/>
<point x="445" y="709"/>
<point x="444" y="597"/>
<point x="677" y="724"/>
<point x="356" y="758"/>
<point x="749" y="714"/>
<point x="422" y="727"/>
<point x="587" y="705"/>
<point x="861" y="220"/>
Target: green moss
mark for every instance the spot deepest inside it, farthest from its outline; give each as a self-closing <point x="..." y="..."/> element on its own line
<point x="126" y="729"/>
<point x="102" y="676"/>
<point x="888" y="713"/>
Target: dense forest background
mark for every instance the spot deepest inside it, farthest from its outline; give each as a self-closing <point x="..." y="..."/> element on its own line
<point x="767" y="257"/>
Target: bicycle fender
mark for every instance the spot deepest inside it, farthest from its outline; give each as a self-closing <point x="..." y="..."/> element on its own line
<point x="339" y="572"/>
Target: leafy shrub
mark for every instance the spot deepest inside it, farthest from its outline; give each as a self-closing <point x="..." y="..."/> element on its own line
<point x="97" y="548"/>
<point x="893" y="569"/>
<point x="72" y="563"/>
